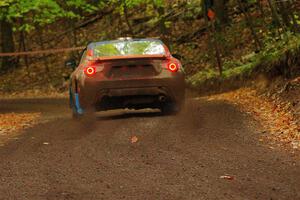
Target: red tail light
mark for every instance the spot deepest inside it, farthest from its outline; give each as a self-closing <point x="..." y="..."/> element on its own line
<point x="173" y="67"/>
<point x="89" y="71"/>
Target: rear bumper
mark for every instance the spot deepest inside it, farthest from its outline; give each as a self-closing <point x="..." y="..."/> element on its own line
<point x="93" y="91"/>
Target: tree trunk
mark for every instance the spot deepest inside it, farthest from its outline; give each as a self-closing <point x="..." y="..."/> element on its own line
<point x="221" y="11"/>
<point x="275" y="16"/>
<point x="127" y="19"/>
<point x="258" y="44"/>
<point x="217" y="50"/>
<point x="212" y="40"/>
<point x="285" y="14"/>
<point x="74" y="43"/>
<point x="260" y="8"/>
<point x="45" y="60"/>
<point x="23" y="48"/>
<point x="8" y="45"/>
<point x="164" y="31"/>
<point x="291" y="6"/>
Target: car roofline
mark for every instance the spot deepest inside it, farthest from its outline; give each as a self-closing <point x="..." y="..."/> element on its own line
<point x="130" y="57"/>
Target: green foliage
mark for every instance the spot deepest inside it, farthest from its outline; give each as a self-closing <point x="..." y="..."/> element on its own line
<point x="131" y="4"/>
<point x="201" y="77"/>
<point x="82" y="5"/>
<point x="275" y="50"/>
<point x="192" y="9"/>
<point x="41" y="12"/>
<point x="4" y="3"/>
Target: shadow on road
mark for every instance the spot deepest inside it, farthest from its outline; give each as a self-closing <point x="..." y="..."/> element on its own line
<point x="33" y="105"/>
<point x="126" y="113"/>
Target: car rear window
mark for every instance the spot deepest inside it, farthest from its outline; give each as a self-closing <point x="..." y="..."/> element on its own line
<point x="129" y="47"/>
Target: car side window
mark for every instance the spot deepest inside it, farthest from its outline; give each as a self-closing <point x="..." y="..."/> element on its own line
<point x="83" y="57"/>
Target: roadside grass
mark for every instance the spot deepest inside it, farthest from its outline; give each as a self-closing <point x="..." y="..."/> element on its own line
<point x="278" y="53"/>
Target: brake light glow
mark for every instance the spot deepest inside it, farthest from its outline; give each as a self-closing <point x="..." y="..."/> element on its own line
<point x="173" y="67"/>
<point x="89" y="71"/>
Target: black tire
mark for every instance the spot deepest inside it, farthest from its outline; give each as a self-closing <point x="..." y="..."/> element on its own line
<point x="170" y="109"/>
<point x="76" y="115"/>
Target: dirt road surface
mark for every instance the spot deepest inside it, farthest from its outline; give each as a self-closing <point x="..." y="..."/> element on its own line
<point x="174" y="157"/>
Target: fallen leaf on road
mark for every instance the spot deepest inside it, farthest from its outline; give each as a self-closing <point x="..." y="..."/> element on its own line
<point x="45" y="143"/>
<point x="295" y="144"/>
<point x="134" y="139"/>
<point x="227" y="177"/>
<point x="12" y="124"/>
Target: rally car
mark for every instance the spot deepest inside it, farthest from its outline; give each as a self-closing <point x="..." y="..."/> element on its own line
<point x="126" y="73"/>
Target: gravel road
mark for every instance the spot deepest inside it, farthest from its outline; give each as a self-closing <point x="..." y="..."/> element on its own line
<point x="175" y="157"/>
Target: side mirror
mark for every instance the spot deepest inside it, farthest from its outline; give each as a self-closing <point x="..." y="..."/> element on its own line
<point x="70" y="64"/>
<point x="178" y="56"/>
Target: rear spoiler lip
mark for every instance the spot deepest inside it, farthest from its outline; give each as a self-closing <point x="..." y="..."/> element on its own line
<point x="131" y="57"/>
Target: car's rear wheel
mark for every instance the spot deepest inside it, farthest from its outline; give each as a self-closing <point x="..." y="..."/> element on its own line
<point x="76" y="115"/>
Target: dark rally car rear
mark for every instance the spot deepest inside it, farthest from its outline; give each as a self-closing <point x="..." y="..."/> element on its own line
<point x="136" y="81"/>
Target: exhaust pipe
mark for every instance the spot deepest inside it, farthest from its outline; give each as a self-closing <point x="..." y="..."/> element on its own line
<point x="162" y="98"/>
